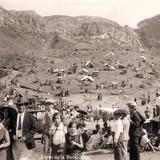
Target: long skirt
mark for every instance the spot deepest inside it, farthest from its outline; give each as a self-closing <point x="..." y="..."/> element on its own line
<point x="3" y="155"/>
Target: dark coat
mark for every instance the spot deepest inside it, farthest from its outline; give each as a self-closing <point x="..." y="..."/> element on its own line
<point x="28" y="130"/>
<point x="135" y="125"/>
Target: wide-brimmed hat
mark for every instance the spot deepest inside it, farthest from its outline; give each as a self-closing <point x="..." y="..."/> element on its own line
<point x="124" y="112"/>
<point x="21" y="102"/>
<point x="117" y="112"/>
<point x="132" y="104"/>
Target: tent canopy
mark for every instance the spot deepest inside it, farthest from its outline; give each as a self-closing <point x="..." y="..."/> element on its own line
<point x="108" y="110"/>
<point x="50" y="101"/>
<point x="87" y="78"/>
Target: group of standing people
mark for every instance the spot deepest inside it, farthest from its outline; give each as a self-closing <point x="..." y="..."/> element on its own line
<point x="17" y="135"/>
<point x="65" y="141"/>
<point x="127" y="133"/>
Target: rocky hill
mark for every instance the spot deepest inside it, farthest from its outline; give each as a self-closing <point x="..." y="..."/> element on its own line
<point x="20" y="31"/>
<point x="149" y="32"/>
<point x="23" y="30"/>
<point x="91" y="27"/>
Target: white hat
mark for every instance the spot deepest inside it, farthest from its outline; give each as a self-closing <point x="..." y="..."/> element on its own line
<point x="132" y="104"/>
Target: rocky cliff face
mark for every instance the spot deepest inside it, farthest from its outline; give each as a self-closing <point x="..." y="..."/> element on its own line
<point x="20" y="31"/>
<point x="91" y="27"/>
<point x="29" y="30"/>
<point x="21" y="21"/>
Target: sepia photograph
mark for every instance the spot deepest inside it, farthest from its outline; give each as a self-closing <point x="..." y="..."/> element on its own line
<point x="79" y="80"/>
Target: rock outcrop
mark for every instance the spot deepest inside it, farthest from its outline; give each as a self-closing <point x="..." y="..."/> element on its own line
<point x="91" y="27"/>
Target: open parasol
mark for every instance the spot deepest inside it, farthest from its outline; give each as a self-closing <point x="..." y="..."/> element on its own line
<point x="82" y="112"/>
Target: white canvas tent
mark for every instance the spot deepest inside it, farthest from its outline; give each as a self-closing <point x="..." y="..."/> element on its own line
<point x="50" y="101"/>
<point x="87" y="78"/>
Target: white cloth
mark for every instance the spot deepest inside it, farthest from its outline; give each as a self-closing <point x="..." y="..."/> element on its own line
<point x="39" y="115"/>
<point x="21" y="152"/>
<point x="144" y="140"/>
<point x="118" y="129"/>
<point x="126" y="125"/>
<point x="112" y="125"/>
<point x="158" y="101"/>
<point x="19" y="132"/>
<point x="58" y="134"/>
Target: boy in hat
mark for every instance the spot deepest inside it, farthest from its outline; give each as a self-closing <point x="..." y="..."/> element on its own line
<point x="118" y="129"/>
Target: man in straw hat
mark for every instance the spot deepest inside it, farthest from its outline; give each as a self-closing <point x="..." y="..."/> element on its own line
<point x="134" y="131"/>
<point x="118" y="129"/>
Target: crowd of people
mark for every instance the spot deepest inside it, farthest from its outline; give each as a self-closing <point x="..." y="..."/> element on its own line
<point x="123" y="132"/>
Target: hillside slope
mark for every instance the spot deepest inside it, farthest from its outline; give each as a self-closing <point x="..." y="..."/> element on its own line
<point x="149" y="32"/>
<point x="25" y="30"/>
<point x="20" y="31"/>
<point x="91" y="27"/>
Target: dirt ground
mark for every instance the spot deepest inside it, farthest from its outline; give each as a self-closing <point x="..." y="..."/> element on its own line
<point x="101" y="156"/>
<point x="144" y="156"/>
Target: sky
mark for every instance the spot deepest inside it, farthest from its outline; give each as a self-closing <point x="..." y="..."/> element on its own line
<point x="124" y="12"/>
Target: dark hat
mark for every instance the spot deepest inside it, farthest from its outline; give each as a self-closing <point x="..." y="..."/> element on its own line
<point x="124" y="112"/>
<point x="132" y="104"/>
<point x="117" y="112"/>
<point x="21" y="102"/>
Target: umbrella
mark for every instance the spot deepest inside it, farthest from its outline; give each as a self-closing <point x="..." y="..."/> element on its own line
<point x="82" y="112"/>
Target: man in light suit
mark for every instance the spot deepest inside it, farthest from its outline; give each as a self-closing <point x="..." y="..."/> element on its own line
<point x="125" y="133"/>
<point x="24" y="133"/>
<point x="118" y="129"/>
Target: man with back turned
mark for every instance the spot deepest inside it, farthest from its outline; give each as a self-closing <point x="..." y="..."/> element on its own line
<point x="134" y="131"/>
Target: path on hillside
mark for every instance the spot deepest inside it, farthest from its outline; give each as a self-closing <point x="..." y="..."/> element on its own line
<point x="7" y="79"/>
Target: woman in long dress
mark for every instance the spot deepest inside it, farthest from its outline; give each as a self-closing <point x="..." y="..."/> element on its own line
<point x="4" y="139"/>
